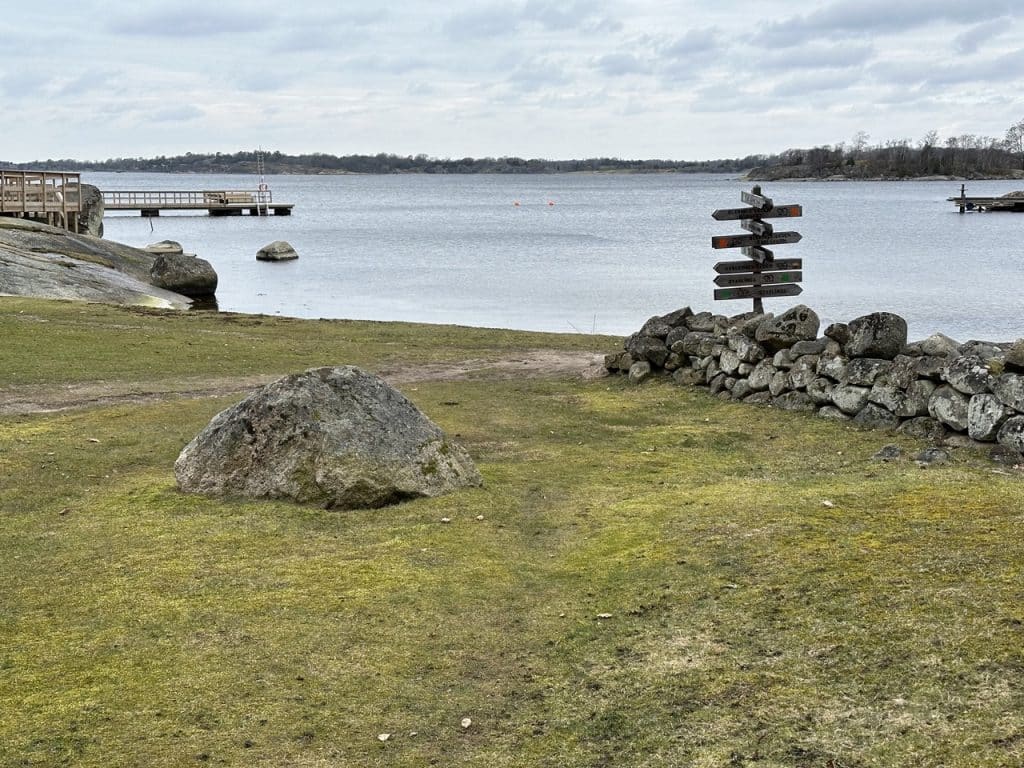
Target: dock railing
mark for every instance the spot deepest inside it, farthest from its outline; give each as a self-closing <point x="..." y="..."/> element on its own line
<point x="53" y="197"/>
<point x="129" y="200"/>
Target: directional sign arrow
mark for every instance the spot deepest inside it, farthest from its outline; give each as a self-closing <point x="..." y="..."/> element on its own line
<point x="758" y="292"/>
<point x="778" y="212"/>
<point x="738" y="241"/>
<point x="758" y="254"/>
<point x="757" y="226"/>
<point x="758" y="201"/>
<point x="759" y="278"/>
<point x="734" y="267"/>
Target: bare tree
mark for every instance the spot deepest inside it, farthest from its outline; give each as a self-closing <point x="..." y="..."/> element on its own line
<point x="860" y="142"/>
<point x="1015" y="141"/>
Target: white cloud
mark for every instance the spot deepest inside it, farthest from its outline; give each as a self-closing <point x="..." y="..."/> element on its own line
<point x="520" y="77"/>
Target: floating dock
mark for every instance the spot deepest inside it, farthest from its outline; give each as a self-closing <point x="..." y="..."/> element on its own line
<point x="215" y="202"/>
<point x="1012" y="202"/>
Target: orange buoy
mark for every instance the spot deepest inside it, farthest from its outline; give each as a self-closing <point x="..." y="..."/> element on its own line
<point x="515" y="203"/>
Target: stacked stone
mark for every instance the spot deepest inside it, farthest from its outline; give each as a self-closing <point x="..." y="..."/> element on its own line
<point x="863" y="372"/>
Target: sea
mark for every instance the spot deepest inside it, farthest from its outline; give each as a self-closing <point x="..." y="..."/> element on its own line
<point x="592" y="253"/>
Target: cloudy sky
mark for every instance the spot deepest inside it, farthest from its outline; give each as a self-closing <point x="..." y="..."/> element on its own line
<point x="535" y="78"/>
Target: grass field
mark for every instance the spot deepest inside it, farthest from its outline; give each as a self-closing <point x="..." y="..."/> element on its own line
<point x="658" y="578"/>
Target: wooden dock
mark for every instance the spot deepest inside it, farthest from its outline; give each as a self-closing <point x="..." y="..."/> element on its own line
<point x="258" y="202"/>
<point x="1012" y="202"/>
<point x="50" y="197"/>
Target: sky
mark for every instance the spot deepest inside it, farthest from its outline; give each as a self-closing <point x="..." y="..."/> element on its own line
<point x="555" y="79"/>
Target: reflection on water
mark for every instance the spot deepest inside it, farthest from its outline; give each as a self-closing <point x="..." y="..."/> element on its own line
<point x="612" y="250"/>
<point x="207" y="303"/>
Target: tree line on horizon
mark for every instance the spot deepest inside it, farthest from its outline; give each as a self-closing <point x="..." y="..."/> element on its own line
<point x="247" y="162"/>
<point x="965" y="155"/>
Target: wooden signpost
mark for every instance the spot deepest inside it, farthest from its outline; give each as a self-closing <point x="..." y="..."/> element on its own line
<point x="763" y="276"/>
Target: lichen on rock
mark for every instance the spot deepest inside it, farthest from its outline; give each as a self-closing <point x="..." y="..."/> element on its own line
<point x="337" y="437"/>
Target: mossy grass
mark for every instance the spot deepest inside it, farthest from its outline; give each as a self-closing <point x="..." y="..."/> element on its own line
<point x="94" y="341"/>
<point x="658" y="578"/>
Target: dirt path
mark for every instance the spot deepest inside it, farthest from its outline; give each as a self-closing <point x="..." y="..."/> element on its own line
<point x="536" y="363"/>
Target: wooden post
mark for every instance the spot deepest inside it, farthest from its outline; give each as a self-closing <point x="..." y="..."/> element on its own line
<point x="756" y="269"/>
<point x="963" y="195"/>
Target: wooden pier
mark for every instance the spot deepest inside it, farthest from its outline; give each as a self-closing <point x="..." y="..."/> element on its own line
<point x="50" y="197"/>
<point x="1012" y="202"/>
<point x="258" y="202"/>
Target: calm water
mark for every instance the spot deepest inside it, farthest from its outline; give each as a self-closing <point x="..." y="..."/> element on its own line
<point x="612" y="250"/>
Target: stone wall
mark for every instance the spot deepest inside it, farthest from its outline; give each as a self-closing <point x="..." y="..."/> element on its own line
<point x="863" y="371"/>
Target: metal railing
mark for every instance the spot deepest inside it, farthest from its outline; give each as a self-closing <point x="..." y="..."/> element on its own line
<point x="183" y="200"/>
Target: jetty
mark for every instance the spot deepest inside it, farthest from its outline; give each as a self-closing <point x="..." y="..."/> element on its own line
<point x="232" y="202"/>
<point x="1012" y="202"/>
<point x="53" y="198"/>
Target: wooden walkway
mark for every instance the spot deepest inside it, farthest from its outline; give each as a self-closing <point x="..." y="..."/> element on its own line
<point x="216" y="203"/>
<point x="50" y="197"/>
<point x="1012" y="202"/>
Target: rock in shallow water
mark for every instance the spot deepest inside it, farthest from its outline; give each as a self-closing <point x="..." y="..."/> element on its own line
<point x="337" y="437"/>
<point x="279" y="250"/>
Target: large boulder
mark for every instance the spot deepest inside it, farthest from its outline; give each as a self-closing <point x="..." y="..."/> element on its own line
<point x="849" y="398"/>
<point x="279" y="250"/>
<point x="650" y="348"/>
<point x="801" y="323"/>
<point x="968" y="374"/>
<point x="337" y="437"/>
<point x="950" y="407"/>
<point x="657" y="327"/>
<point x="184" y="273"/>
<point x="985" y="415"/>
<point x="91" y="210"/>
<point x="880" y="334"/>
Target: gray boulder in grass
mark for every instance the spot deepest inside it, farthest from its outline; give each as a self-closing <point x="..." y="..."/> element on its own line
<point x="337" y="437"/>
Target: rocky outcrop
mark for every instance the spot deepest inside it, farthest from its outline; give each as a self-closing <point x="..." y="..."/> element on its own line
<point x="863" y="371"/>
<point x="279" y="250"/>
<point x="47" y="262"/>
<point x="337" y="437"/>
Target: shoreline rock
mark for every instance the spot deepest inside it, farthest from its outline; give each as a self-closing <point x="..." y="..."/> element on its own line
<point x="279" y="250"/>
<point x="46" y="262"/>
